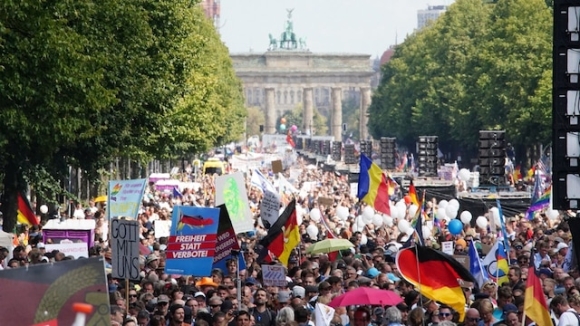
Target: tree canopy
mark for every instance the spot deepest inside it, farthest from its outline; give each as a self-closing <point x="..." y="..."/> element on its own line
<point x="84" y="82"/>
<point x="479" y="66"/>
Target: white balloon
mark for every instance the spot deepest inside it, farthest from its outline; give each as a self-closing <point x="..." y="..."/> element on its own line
<point x="44" y="209"/>
<point x="552" y="214"/>
<point x="443" y="203"/>
<point x="342" y="212"/>
<point x="360" y="222"/>
<point x="388" y="220"/>
<point x="396" y="212"/>
<point x="315" y="215"/>
<point x="447" y="219"/>
<point x="363" y="239"/>
<point x="464" y="175"/>
<point x="312" y="231"/>
<point x="426" y="232"/>
<point x="410" y="230"/>
<point x="378" y="220"/>
<point x="299" y="214"/>
<point x="466" y="217"/>
<point x="413" y="210"/>
<point x="441" y="214"/>
<point x="454" y="203"/>
<point x="481" y="222"/>
<point x="450" y="211"/>
<point x="355" y="228"/>
<point x="403" y="225"/>
<point x="494" y="212"/>
<point x="401" y="203"/>
<point x="368" y="213"/>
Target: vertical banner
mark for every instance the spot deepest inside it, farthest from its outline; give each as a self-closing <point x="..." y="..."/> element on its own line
<point x="44" y="294"/>
<point x="125" y="245"/>
<point x="124" y="197"/>
<point x="231" y="190"/>
<point x="226" y="242"/>
<point x="192" y="243"/>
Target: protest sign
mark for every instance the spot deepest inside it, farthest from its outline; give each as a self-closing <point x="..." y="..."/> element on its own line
<point x="69" y="248"/>
<point x="226" y="242"/>
<point x="43" y="294"/>
<point x="274" y="275"/>
<point x="124" y="198"/>
<point x="277" y="166"/>
<point x="270" y="207"/>
<point x="447" y="247"/>
<point x="192" y="243"/>
<point x="231" y="190"/>
<point x="463" y="260"/>
<point x="125" y="245"/>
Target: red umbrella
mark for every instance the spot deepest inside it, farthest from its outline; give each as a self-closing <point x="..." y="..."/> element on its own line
<point x="367" y="296"/>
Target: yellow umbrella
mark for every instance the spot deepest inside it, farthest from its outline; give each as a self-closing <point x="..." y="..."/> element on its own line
<point x="101" y="199"/>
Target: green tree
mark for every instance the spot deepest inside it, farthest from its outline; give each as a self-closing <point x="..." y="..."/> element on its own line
<point x="255" y="118"/>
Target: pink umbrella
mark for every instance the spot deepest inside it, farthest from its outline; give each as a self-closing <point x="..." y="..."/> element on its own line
<point x="367" y="296"/>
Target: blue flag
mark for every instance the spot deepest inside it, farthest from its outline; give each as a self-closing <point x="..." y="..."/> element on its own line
<point x="475" y="266"/>
<point x="177" y="193"/>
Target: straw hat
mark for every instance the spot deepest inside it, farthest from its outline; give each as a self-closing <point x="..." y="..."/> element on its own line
<point x="206" y="281"/>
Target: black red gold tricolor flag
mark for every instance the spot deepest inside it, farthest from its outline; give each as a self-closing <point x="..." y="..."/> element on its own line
<point x="283" y="236"/>
<point x="535" y="305"/>
<point x="25" y="213"/>
<point x="435" y="274"/>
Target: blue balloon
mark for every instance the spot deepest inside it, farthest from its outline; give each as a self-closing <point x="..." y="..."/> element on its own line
<point x="455" y="227"/>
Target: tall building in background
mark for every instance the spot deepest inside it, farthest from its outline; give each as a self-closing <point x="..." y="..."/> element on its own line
<point x="424" y="16"/>
<point x="212" y="10"/>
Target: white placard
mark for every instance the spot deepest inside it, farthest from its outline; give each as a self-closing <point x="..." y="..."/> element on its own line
<point x="273" y="275"/>
<point x="270" y="207"/>
<point x="354" y="189"/>
<point x="231" y="190"/>
<point x="125" y="245"/>
<point x="162" y="228"/>
<point x="447" y="247"/>
<point x="75" y="249"/>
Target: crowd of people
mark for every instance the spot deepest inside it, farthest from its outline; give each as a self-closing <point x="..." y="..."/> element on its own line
<point x="164" y="299"/>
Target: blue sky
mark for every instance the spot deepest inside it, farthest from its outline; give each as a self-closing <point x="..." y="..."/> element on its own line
<point x="344" y="26"/>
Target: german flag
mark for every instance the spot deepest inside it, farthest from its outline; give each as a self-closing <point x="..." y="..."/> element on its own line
<point x="283" y="236"/>
<point x="535" y="305"/>
<point x="436" y="275"/>
<point x="413" y="194"/>
<point x="25" y="213"/>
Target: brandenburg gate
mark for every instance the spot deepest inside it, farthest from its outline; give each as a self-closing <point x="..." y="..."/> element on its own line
<point x="288" y="74"/>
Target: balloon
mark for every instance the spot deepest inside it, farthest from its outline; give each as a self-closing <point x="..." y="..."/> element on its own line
<point x="378" y="220"/>
<point x="426" y="231"/>
<point x="481" y="222"/>
<point x="367" y="214"/>
<point x="315" y="215"/>
<point x="494" y="213"/>
<point x="293" y="128"/>
<point x="398" y="212"/>
<point x="450" y="211"/>
<point x="403" y="225"/>
<point x="282" y="127"/>
<point x="312" y="231"/>
<point x="283" y="121"/>
<point x="44" y="209"/>
<point x="447" y="219"/>
<point x="342" y="212"/>
<point x="388" y="220"/>
<point x="360" y="222"/>
<point x="464" y="175"/>
<point x="299" y="214"/>
<point x="454" y="203"/>
<point x="455" y="227"/>
<point x="441" y="214"/>
<point x="466" y="217"/>
<point x="410" y="230"/>
<point x="407" y="199"/>
<point x="413" y="210"/>
<point x="553" y="214"/>
<point x="363" y="239"/>
<point x="443" y="203"/>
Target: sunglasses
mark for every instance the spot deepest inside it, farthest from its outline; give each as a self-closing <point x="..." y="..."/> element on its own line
<point x="132" y="295"/>
<point x="215" y="305"/>
<point x="519" y="247"/>
<point x="444" y="314"/>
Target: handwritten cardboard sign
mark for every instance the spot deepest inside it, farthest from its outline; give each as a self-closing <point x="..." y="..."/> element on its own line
<point x="270" y="207"/>
<point x="273" y="275"/>
<point x="277" y="166"/>
<point x="125" y="245"/>
<point x="447" y="247"/>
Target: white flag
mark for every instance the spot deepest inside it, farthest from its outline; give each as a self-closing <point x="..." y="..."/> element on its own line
<point x="259" y="181"/>
<point x="323" y="314"/>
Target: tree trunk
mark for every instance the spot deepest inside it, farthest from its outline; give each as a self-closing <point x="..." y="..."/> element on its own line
<point x="13" y="183"/>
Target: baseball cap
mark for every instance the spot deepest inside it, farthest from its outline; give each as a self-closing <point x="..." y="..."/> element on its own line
<point x="299" y="292"/>
<point x="163" y="298"/>
<point x="199" y="294"/>
<point x="283" y="296"/>
<point x="372" y="272"/>
<point x="561" y="245"/>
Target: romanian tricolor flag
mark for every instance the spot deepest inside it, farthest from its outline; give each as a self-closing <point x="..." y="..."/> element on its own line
<point x="25" y="213"/>
<point x="283" y="236"/>
<point x="535" y="306"/>
<point x="413" y="194"/>
<point x="436" y="275"/>
<point x="373" y="187"/>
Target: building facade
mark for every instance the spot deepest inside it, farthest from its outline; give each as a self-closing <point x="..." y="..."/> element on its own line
<point x="424" y="16"/>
